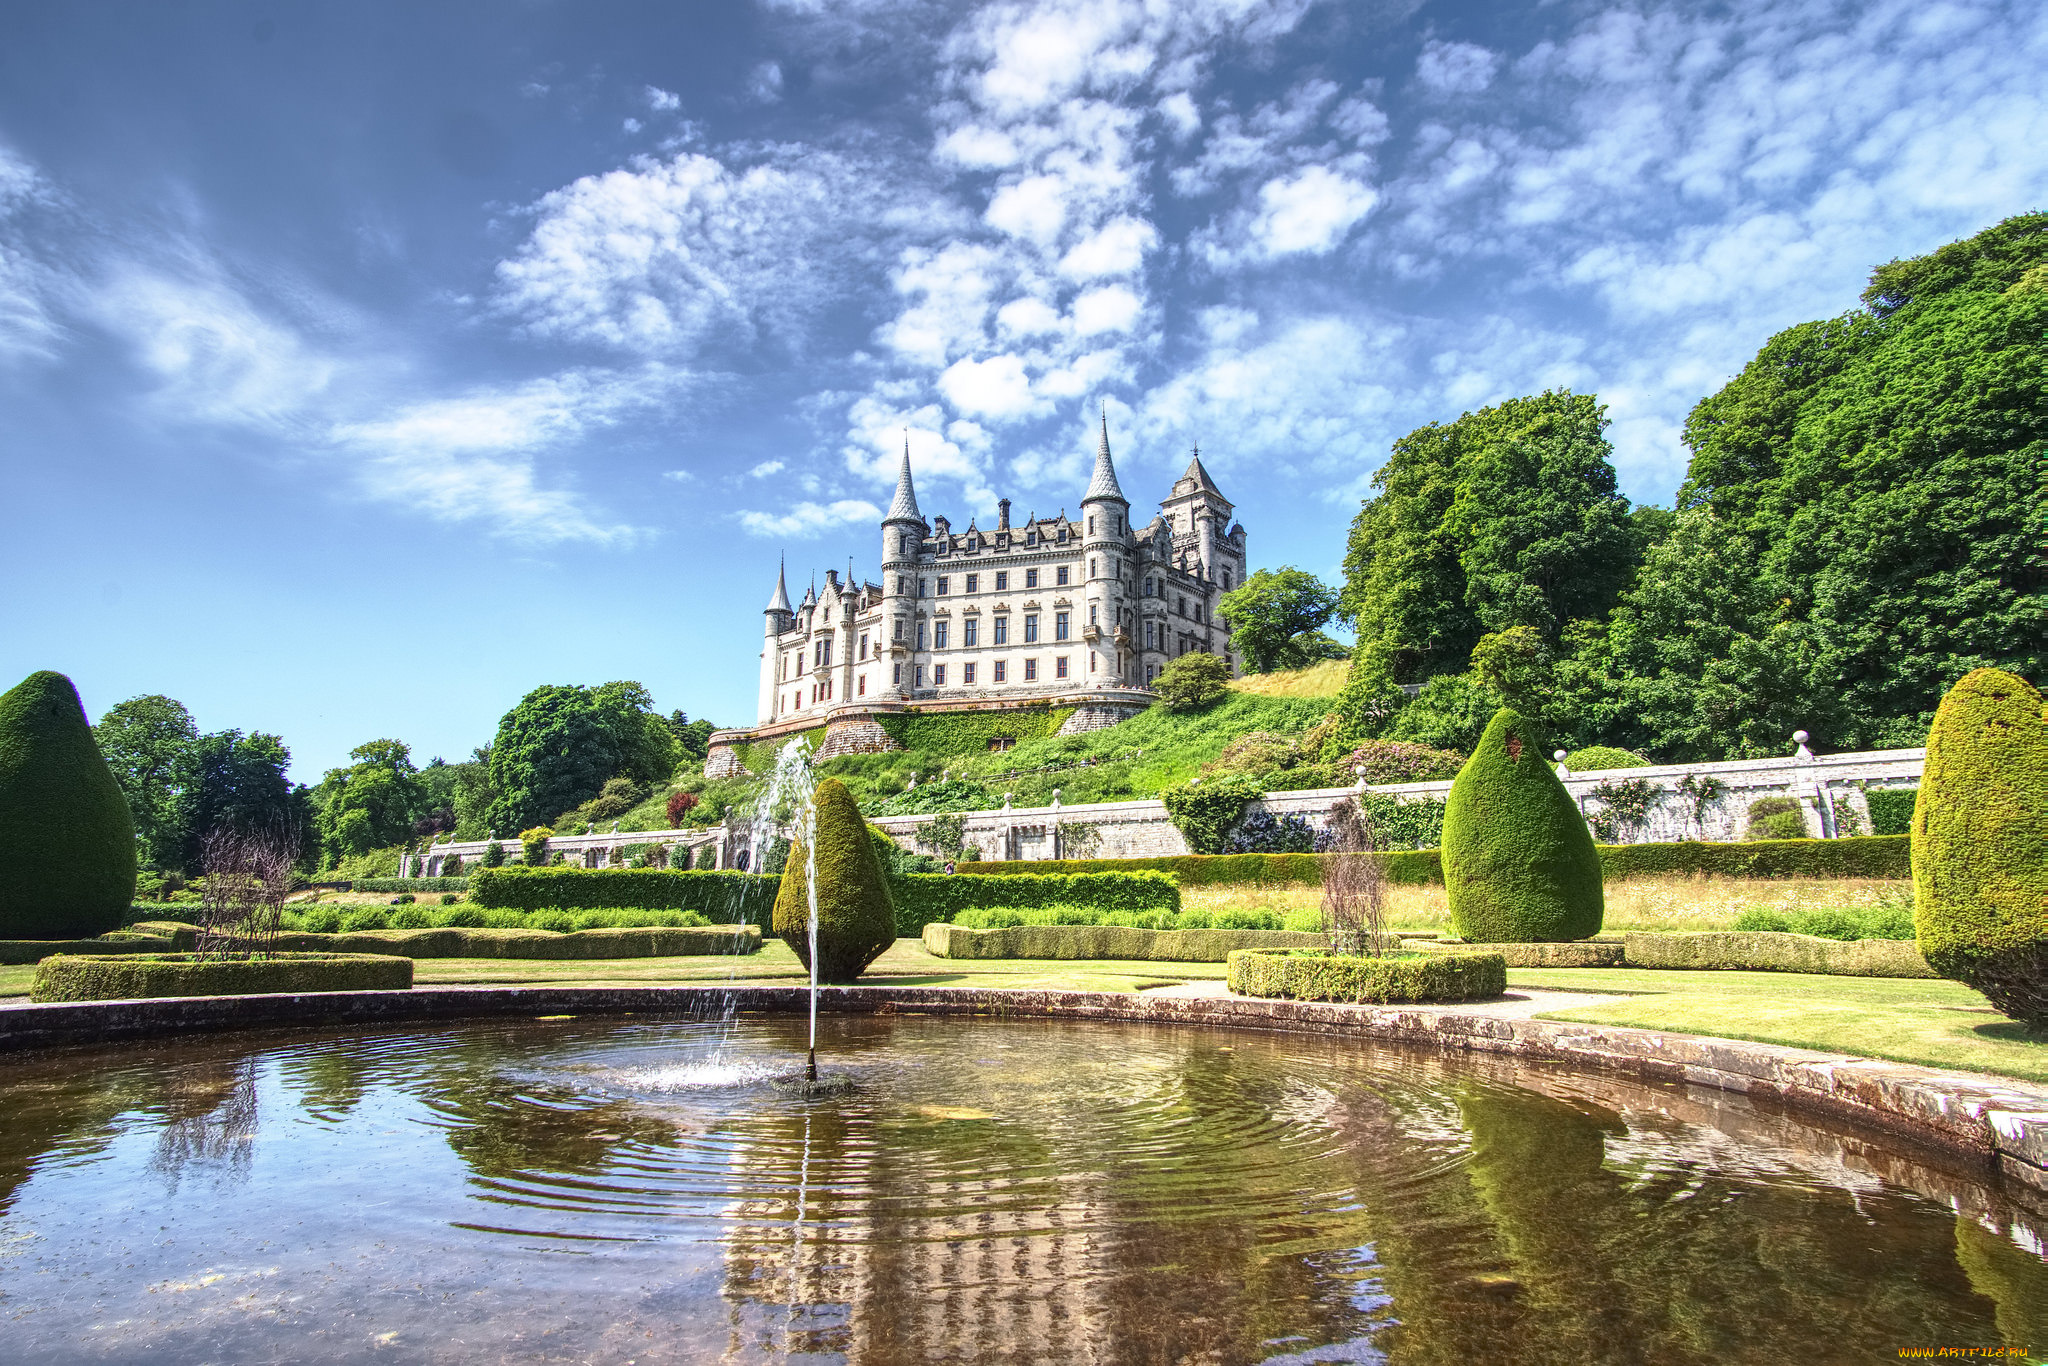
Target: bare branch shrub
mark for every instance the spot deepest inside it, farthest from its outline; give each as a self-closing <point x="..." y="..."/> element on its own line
<point x="1354" y="884"/>
<point x="248" y="876"/>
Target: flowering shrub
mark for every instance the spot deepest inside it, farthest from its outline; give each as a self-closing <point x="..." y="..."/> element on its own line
<point x="679" y="805"/>
<point x="1397" y="761"/>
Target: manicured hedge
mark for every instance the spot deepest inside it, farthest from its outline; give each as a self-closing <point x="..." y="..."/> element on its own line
<point x="1319" y="975"/>
<point x="1770" y="951"/>
<point x="15" y="952"/>
<point x="66" y="841"/>
<point x="648" y="942"/>
<point x="110" y="977"/>
<point x="1891" y="809"/>
<point x="1576" y="953"/>
<point x="183" y="935"/>
<point x="410" y="884"/>
<point x="721" y="895"/>
<point x="1110" y="942"/>
<point x="926" y="897"/>
<point x="1882" y="856"/>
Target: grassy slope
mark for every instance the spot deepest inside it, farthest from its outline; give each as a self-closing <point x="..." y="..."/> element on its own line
<point x="1321" y="680"/>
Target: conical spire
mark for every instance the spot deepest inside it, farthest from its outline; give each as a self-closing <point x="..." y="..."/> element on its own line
<point x="1104" y="484"/>
<point x="780" y="602"/>
<point x="904" y="508"/>
<point x="1201" y="475"/>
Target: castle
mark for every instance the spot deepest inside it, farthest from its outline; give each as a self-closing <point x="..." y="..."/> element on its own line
<point x="1080" y="612"/>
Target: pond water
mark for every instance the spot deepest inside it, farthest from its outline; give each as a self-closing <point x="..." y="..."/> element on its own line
<point x="630" y="1190"/>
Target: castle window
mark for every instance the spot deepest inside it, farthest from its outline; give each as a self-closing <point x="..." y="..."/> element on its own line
<point x="923" y="587"/>
<point x="897" y="677"/>
<point x="902" y="584"/>
<point x="1002" y="669"/>
<point x="938" y="675"/>
<point x="1031" y="628"/>
<point x="970" y="635"/>
<point x="1060" y="629"/>
<point x="1183" y="606"/>
<point x="1059" y="667"/>
<point x="1151" y="672"/>
<point x="1091" y="661"/>
<point x="1148" y="635"/>
<point x="1091" y="566"/>
<point x="939" y="633"/>
<point x="1091" y="614"/>
<point x="920" y="675"/>
<point x="1059" y="576"/>
<point x="1116" y="525"/>
<point x="906" y="545"/>
<point x="1091" y="525"/>
<point x="944" y="582"/>
<point x="920" y="637"/>
<point x="967" y="675"/>
<point x="1226" y="580"/>
<point x="1062" y="535"/>
<point x="1002" y="630"/>
<point x="1031" y="578"/>
<point x="974" y="583"/>
<point x="1002" y="582"/>
<point x="863" y="686"/>
<point x="1031" y="536"/>
<point x="863" y="644"/>
<point x="899" y="628"/>
<point x="1148" y="586"/>
<point x="1030" y="671"/>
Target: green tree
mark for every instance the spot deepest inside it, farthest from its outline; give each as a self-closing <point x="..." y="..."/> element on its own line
<point x="371" y="804"/>
<point x="239" y="781"/>
<point x="1277" y="616"/>
<point x="555" y="750"/>
<point x="1192" y="682"/>
<point x="148" y="743"/>
<point x="693" y="738"/>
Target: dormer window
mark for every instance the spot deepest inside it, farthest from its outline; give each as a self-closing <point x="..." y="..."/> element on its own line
<point x="1062" y="535"/>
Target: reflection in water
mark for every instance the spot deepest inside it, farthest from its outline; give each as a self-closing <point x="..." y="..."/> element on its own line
<point x="995" y="1191"/>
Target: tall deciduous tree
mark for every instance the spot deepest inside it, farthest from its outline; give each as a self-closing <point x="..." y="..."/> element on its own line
<point x="1276" y="618"/>
<point x="555" y="750"/>
<point x="148" y="742"/>
<point x="239" y="782"/>
<point x="372" y="803"/>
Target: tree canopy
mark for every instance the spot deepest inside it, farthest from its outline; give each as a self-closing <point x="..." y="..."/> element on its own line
<point x="1276" y="618"/>
<point x="558" y="746"/>
<point x="148" y="743"/>
<point x="371" y="804"/>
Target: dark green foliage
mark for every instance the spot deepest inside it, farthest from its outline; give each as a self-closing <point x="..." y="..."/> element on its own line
<point x="239" y="781"/>
<point x="556" y="749"/>
<point x="1989" y="263"/>
<point x="1404" y="825"/>
<point x="1891" y="809"/>
<point x="946" y="794"/>
<point x="1205" y="813"/>
<point x="1886" y="921"/>
<point x="15" y="952"/>
<point x="1980" y="833"/>
<point x="1600" y="758"/>
<point x="147" y="742"/>
<point x="1104" y="942"/>
<point x="1519" y="862"/>
<point x="102" y="977"/>
<point x="855" y="912"/>
<point x="1008" y="917"/>
<point x="1775" y="818"/>
<point x="372" y="803"/>
<point x="1318" y="975"/>
<point x="945" y="734"/>
<point x="564" y="944"/>
<point x="1276" y="617"/>
<point x="922" y="900"/>
<point x="722" y="896"/>
<point x="410" y="884"/>
<point x="1417" y="868"/>
<point x="1261" y="832"/>
<point x="1863" y="856"/>
<point x="494" y="855"/>
<point x="1450" y="712"/>
<point x="1399" y="761"/>
<point x="707" y="858"/>
<point x="1194" y="681"/>
<point x="67" y="844"/>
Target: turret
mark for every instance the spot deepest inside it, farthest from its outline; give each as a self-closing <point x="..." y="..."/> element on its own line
<point x="776" y="620"/>
<point x="903" y="532"/>
<point x="1105" y="544"/>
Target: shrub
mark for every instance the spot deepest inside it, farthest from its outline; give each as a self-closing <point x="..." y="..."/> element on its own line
<point x="1624" y="809"/>
<point x="1891" y="809"/>
<point x="451" y="866"/>
<point x="856" y="916"/>
<point x="125" y="977"/>
<point x="320" y="920"/>
<point x="1980" y="829"/>
<point x="410" y="884"/>
<point x="615" y="799"/>
<point x="1773" y="952"/>
<point x="723" y="896"/>
<point x="1204" y="813"/>
<point x="1258" y="755"/>
<point x="412" y="918"/>
<point x="534" y="845"/>
<point x="560" y="922"/>
<point x="1519" y="863"/>
<point x="405" y="900"/>
<point x="449" y="898"/>
<point x="1128" y="942"/>
<point x="1318" y="975"/>
<point x="67" y="845"/>
<point x="1398" y="761"/>
<point x="679" y="805"/>
<point x="947" y="794"/>
<point x="1775" y="818"/>
<point x="1764" y="919"/>
<point x="494" y="855"/>
<point x="1192" y="682"/>
<point x="1261" y="832"/>
<point x="972" y="732"/>
<point x="999" y="917"/>
<point x="1598" y="758"/>
<point x="366" y="918"/>
<point x="463" y="917"/>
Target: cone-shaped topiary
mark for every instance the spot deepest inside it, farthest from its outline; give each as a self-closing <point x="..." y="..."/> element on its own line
<point x="67" y="843"/>
<point x="856" y="916"/>
<point x="1519" y="862"/>
<point x="1980" y="843"/>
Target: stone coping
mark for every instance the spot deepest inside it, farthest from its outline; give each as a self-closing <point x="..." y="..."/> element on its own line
<point x="1994" y="1121"/>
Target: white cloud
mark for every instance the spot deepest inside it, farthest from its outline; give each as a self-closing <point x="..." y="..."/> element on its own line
<point x="996" y="388"/>
<point x="1181" y="115"/>
<point x="764" y="82"/>
<point x="811" y="519"/>
<point x="27" y="329"/>
<point x="1034" y="209"/>
<point x="1456" y="68"/>
<point x="631" y="125"/>
<point x="661" y="101"/>
<point x="1110" y="309"/>
<point x="1118" y="247"/>
<point x="679" y="476"/>
<point x="766" y="468"/>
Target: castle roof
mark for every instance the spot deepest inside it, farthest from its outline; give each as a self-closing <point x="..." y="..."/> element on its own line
<point x="780" y="602"/>
<point x="1104" y="484"/>
<point x="904" y="508"/>
<point x="1200" y="476"/>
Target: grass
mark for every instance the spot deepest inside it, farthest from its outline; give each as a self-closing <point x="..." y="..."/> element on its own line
<point x="1323" y="680"/>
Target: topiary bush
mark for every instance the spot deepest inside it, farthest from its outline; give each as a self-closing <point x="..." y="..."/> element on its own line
<point x="1519" y="863"/>
<point x="1319" y="975"/>
<point x="1980" y="843"/>
<point x="1599" y="758"/>
<point x="1205" y="812"/>
<point x="1891" y="809"/>
<point x="67" y="844"/>
<point x="856" y="915"/>
<point x="1775" y="818"/>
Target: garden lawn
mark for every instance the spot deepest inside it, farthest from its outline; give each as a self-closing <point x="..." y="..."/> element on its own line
<point x="1930" y="1022"/>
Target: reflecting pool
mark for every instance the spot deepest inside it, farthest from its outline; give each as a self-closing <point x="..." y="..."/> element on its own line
<point x="636" y="1190"/>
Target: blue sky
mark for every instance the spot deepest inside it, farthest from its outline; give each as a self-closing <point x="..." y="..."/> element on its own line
<point x="363" y="366"/>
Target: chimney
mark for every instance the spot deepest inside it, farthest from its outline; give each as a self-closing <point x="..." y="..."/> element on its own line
<point x="1002" y="514"/>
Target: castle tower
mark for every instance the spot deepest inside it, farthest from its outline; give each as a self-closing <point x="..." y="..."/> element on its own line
<point x="903" y="533"/>
<point x="1200" y="515"/>
<point x="778" y="615"/>
<point x="1106" y="547"/>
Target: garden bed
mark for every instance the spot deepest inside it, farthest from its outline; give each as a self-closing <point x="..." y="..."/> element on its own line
<point x="1069" y="942"/>
<point x="1577" y="953"/>
<point x="1319" y="975"/>
<point x="653" y="941"/>
<point x="1774" y="951"/>
<point x="126" y="977"/>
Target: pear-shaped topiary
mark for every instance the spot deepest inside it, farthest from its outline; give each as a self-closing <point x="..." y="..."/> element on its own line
<point x="67" y="843"/>
<point x="1980" y="843"/>
<point x="856" y="915"/>
<point x="1519" y="862"/>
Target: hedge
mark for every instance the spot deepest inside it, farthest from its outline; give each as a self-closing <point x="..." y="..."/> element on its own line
<point x="927" y="897"/>
<point x="1519" y="862"/>
<point x="183" y="935"/>
<point x="971" y="732"/>
<point x="1319" y="975"/>
<point x="410" y="884"/>
<point x="1771" y="951"/>
<point x="111" y="977"/>
<point x="722" y="895"/>
<point x="1111" y="942"/>
<point x="1875" y="856"/>
<point x="68" y="842"/>
<point x="1891" y="809"/>
<point x="1576" y="953"/>
<point x="16" y="952"/>
<point x="648" y="942"/>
